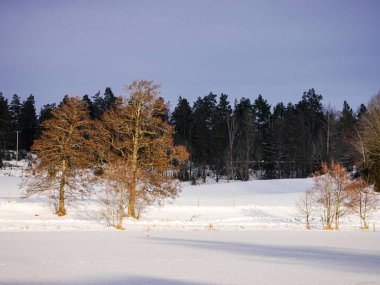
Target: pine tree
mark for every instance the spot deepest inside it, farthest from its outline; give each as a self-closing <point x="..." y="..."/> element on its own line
<point x="219" y="134"/>
<point x="97" y="106"/>
<point x="28" y="123"/>
<point x="311" y="136"/>
<point x="46" y="112"/>
<point x="90" y="106"/>
<point x="345" y="128"/>
<point x="276" y="144"/>
<point x="181" y="119"/>
<point x="100" y="104"/>
<point x="362" y="110"/>
<point x="4" y="126"/>
<point x="14" y="112"/>
<point x="109" y="100"/>
<point x="262" y="114"/>
<point x="245" y="120"/>
<point x="203" y="111"/>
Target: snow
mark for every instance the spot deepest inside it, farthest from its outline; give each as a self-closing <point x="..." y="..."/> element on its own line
<point x="190" y="258"/>
<point x="225" y="233"/>
<point x="235" y="206"/>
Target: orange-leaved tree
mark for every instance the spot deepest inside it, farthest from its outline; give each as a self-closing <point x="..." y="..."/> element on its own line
<point x="136" y="143"/>
<point x="334" y="193"/>
<point x="62" y="151"/>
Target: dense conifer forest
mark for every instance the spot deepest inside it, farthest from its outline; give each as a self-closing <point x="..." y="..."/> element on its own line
<point x="235" y="140"/>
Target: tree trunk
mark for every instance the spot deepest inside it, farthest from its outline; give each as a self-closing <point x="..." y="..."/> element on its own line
<point x="132" y="202"/>
<point x="337" y="219"/>
<point x="121" y="210"/>
<point x="132" y="190"/>
<point x="307" y="222"/>
<point x="61" y="209"/>
<point x="360" y="210"/>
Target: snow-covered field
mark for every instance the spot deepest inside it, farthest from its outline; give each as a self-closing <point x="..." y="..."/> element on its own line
<point x="190" y="257"/>
<point x="226" y="233"/>
<point x="235" y="206"/>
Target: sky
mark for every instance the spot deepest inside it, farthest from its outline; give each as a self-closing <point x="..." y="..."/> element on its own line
<point x="278" y="49"/>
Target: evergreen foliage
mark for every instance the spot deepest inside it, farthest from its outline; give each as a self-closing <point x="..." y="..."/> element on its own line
<point x="248" y="138"/>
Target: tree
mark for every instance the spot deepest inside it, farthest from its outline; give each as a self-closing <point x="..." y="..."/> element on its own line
<point x="344" y="196"/>
<point x="306" y="206"/>
<point x="202" y="120"/>
<point x="63" y="152"/>
<point x="109" y="99"/>
<point x="181" y="119"/>
<point x="334" y="193"/>
<point x="362" y="110"/>
<point x="97" y="106"/>
<point x="90" y="106"/>
<point x="345" y="127"/>
<point x="138" y="149"/>
<point x="4" y="124"/>
<point x="232" y="136"/>
<point x="324" y="195"/>
<point x="46" y="112"/>
<point x="277" y="147"/>
<point x="100" y="103"/>
<point x="28" y="123"/>
<point x="262" y="115"/>
<point x="369" y="141"/>
<point x="219" y="134"/>
<point x="310" y="139"/>
<point x="14" y="112"/>
<point x="367" y="200"/>
<point x="245" y="119"/>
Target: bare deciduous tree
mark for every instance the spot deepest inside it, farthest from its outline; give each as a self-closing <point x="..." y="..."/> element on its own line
<point x="333" y="191"/>
<point x="306" y="206"/>
<point x="366" y="200"/>
<point x="232" y="135"/>
<point x="344" y="196"/>
<point x="324" y="195"/>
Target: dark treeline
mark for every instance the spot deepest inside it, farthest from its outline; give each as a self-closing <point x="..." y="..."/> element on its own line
<point x="252" y="138"/>
<point x="17" y="116"/>
<point x="239" y="140"/>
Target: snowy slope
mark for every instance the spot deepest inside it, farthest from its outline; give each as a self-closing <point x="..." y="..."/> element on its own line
<point x="234" y="206"/>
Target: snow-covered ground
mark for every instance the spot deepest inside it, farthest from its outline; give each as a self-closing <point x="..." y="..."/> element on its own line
<point x="226" y="233"/>
<point x="190" y="257"/>
<point x="235" y="206"/>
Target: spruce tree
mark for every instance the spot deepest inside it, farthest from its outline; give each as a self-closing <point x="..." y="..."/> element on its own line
<point x="219" y="135"/>
<point x="245" y="120"/>
<point x="345" y="127"/>
<point x="262" y="114"/>
<point x="28" y="123"/>
<point x="203" y="111"/>
<point x="14" y="112"/>
<point x="4" y="125"/>
<point x="181" y="119"/>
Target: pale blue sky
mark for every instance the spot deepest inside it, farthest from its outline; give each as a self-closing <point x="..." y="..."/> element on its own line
<point x="276" y="48"/>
